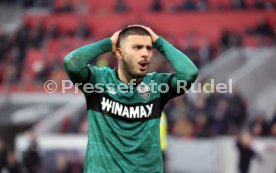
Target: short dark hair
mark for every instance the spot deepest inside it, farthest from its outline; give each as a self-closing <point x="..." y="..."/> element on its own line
<point x="132" y="30"/>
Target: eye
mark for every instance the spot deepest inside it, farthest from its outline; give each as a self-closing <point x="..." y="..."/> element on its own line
<point x="149" y="48"/>
<point x="137" y="47"/>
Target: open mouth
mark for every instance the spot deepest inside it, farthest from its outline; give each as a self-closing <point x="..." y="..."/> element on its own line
<point x="143" y="65"/>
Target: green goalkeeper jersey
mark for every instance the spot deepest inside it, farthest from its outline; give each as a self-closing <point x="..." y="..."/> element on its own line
<point x="124" y="134"/>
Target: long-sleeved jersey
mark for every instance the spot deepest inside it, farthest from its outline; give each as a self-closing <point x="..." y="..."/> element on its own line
<point x="124" y="119"/>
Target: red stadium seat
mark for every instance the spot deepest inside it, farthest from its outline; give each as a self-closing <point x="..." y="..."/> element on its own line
<point x="174" y="26"/>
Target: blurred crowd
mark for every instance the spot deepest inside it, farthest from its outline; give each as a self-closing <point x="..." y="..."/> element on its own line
<point x="69" y="6"/>
<point x="16" y="46"/>
<point x="209" y="115"/>
<point x="31" y="160"/>
<point x="217" y="114"/>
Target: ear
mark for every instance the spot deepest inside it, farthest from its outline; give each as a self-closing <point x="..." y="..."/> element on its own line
<point x="118" y="53"/>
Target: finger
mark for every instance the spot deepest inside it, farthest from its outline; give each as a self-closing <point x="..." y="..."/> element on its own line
<point x="138" y="25"/>
<point x="117" y="32"/>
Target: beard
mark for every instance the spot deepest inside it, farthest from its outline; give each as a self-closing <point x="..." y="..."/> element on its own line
<point x="130" y="69"/>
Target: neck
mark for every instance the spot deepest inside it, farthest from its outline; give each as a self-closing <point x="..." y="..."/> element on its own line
<point x="125" y="77"/>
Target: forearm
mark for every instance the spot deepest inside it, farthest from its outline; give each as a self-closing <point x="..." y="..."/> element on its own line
<point x="75" y="63"/>
<point x="184" y="68"/>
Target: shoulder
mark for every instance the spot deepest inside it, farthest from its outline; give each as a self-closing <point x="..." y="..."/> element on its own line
<point x="161" y="77"/>
<point x="99" y="74"/>
<point x="151" y="74"/>
<point x="96" y="69"/>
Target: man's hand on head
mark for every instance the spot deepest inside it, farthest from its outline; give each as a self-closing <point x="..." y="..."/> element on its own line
<point x="154" y="36"/>
<point x="114" y="39"/>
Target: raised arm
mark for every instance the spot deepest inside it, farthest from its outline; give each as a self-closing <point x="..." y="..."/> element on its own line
<point x="184" y="68"/>
<point x="75" y="63"/>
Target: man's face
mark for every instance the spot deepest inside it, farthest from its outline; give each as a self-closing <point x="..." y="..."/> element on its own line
<point x="135" y="54"/>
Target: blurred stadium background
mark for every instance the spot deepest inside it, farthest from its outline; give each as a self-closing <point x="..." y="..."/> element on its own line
<point x="226" y="39"/>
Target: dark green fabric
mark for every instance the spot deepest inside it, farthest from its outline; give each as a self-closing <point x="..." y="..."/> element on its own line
<point x="127" y="144"/>
<point x="184" y="68"/>
<point x="75" y="63"/>
<point x="121" y="140"/>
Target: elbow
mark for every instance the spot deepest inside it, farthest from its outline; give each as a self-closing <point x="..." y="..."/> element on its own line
<point x="67" y="59"/>
<point x="193" y="75"/>
<point x="188" y="76"/>
<point x="70" y="58"/>
<point x="68" y="62"/>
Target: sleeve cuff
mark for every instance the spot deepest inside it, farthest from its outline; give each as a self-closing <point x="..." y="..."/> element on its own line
<point x="107" y="44"/>
<point x="158" y="43"/>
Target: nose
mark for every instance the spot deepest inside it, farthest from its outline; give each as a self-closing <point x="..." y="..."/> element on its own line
<point x="145" y="53"/>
